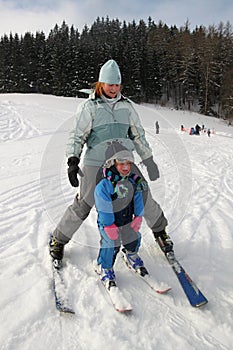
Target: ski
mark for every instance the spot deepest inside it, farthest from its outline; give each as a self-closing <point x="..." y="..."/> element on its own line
<point x="59" y="288"/>
<point x="192" y="292"/>
<point x="117" y="299"/>
<point x="160" y="288"/>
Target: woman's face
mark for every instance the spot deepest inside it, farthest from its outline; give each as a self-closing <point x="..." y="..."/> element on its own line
<point x="111" y="90"/>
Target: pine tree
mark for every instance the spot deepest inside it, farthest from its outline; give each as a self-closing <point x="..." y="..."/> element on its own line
<point x="158" y="64"/>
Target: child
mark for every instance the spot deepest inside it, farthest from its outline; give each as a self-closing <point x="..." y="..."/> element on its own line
<point x="119" y="203"/>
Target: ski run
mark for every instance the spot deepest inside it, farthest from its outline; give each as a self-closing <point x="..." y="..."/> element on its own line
<point x="196" y="192"/>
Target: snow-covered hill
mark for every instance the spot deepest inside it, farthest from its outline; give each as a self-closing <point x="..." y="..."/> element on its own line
<point x="196" y="192"/>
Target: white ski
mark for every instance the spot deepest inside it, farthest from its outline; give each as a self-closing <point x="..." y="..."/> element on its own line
<point x="160" y="288"/>
<point x="117" y="298"/>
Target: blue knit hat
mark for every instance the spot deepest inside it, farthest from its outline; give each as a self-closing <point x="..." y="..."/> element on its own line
<point x="110" y="73"/>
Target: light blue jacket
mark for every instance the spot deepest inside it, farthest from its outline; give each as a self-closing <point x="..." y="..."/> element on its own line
<point x="96" y="124"/>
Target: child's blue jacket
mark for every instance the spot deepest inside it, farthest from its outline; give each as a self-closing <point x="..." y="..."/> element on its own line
<point x="118" y="201"/>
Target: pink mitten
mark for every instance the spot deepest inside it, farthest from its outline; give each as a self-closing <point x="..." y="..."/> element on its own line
<point x="111" y="231"/>
<point x="136" y="223"/>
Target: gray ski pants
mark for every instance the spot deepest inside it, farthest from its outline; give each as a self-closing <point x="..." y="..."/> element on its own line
<point x="78" y="211"/>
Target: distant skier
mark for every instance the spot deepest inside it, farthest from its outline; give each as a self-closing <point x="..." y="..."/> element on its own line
<point x="197" y="129"/>
<point x="120" y="207"/>
<point x="208" y="132"/>
<point x="157" y="127"/>
<point x="191" y="131"/>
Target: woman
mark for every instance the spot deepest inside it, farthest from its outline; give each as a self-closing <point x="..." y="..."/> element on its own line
<point x="105" y="116"/>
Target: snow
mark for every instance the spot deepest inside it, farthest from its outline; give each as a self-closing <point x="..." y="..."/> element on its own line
<point x="196" y="192"/>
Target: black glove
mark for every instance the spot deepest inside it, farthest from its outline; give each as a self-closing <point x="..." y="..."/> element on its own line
<point x="152" y="168"/>
<point x="73" y="171"/>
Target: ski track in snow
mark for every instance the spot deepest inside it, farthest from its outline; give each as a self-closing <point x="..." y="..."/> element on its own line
<point x="14" y="125"/>
<point x="196" y="192"/>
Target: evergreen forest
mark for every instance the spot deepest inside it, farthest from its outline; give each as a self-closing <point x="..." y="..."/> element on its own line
<point x="188" y="69"/>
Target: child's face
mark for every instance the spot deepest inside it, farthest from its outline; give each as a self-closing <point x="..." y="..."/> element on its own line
<point x="111" y="90"/>
<point x="123" y="167"/>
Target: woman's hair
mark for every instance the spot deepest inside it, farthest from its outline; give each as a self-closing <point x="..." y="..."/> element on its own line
<point x="98" y="88"/>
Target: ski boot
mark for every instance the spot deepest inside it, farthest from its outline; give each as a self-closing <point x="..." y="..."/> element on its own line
<point x="134" y="262"/>
<point x="56" y="249"/>
<point x="164" y="241"/>
<point x="108" y="278"/>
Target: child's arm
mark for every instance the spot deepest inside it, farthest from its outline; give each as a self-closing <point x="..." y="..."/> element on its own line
<point x="103" y="202"/>
<point x="138" y="204"/>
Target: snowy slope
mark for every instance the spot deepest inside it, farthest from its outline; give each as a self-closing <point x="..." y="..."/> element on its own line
<point x="196" y="193"/>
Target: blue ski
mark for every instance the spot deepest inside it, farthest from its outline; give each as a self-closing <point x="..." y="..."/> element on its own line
<point x="192" y="292"/>
<point x="59" y="288"/>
